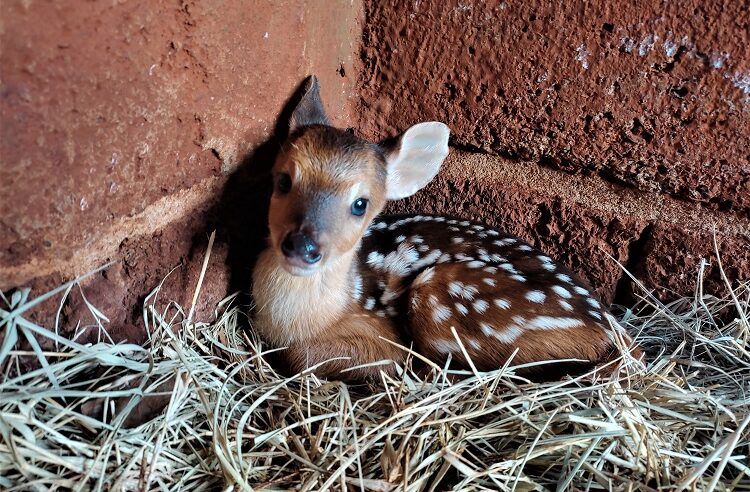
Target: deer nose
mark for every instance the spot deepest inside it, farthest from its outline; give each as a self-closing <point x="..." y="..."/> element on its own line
<point x="301" y="245"/>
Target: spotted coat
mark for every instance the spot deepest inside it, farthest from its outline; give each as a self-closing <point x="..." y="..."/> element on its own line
<point x="428" y="274"/>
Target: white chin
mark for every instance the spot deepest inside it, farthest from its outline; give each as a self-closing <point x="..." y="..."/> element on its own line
<point x="299" y="271"/>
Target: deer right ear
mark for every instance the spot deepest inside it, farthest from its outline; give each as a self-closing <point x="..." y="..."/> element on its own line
<point x="415" y="159"/>
<point x="310" y="109"/>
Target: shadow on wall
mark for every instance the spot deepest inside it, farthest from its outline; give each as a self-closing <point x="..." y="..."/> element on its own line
<point x="240" y="216"/>
<point x="240" y="219"/>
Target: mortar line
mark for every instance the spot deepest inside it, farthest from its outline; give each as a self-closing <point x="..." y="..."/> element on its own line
<point x="595" y="193"/>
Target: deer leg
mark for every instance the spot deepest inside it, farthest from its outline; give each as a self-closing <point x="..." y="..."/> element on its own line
<point x="355" y="340"/>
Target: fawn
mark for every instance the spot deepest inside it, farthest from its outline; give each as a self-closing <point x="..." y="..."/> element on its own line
<point x="337" y="281"/>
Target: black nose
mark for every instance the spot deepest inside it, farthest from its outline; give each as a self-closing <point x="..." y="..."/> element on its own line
<point x="301" y="245"/>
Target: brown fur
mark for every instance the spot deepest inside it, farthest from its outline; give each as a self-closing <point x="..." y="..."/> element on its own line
<point x="356" y="337"/>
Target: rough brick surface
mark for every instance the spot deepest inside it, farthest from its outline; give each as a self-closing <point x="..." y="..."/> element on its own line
<point x="591" y="225"/>
<point x="109" y="107"/>
<point x="653" y="95"/>
<point x="671" y="259"/>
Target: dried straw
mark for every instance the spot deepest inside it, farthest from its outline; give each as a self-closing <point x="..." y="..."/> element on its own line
<point x="231" y="422"/>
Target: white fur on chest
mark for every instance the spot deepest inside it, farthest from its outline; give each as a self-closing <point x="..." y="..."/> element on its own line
<point x="294" y="309"/>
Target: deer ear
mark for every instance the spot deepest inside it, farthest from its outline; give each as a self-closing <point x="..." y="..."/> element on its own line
<point x="415" y="158"/>
<point x="309" y="110"/>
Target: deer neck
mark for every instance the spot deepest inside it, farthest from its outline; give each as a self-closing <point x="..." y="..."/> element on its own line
<point x="292" y="309"/>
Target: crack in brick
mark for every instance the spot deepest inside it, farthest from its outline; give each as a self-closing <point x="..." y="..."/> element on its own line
<point x="624" y="289"/>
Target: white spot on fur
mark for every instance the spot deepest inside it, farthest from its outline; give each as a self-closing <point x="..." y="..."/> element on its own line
<point x="490" y="269"/>
<point x="518" y="278"/>
<point x="465" y="223"/>
<point x="475" y="264"/>
<point x="565" y="305"/>
<point x="564" y="278"/>
<point x="480" y="306"/>
<point x="390" y="295"/>
<point x="459" y="289"/>
<point x="425" y="276"/>
<point x="561" y="291"/>
<point x="381" y="313"/>
<point x="446" y="346"/>
<point x="463" y="257"/>
<point x="474" y="344"/>
<point x="553" y="323"/>
<point x="416" y="239"/>
<point x="457" y="240"/>
<point x="477" y="227"/>
<point x="441" y="313"/>
<point x="581" y="290"/>
<point x="399" y="223"/>
<point x="439" y="219"/>
<point x="462" y="309"/>
<point x="594" y="303"/>
<point x="400" y="238"/>
<point x="400" y="262"/>
<point x="511" y="332"/>
<point x="423" y="248"/>
<point x="428" y="260"/>
<point x="504" y="242"/>
<point x="370" y="303"/>
<point x="536" y="296"/>
<point x="391" y="311"/>
<point x="508" y="267"/>
<point x="489" y="281"/>
<point x="488" y="330"/>
<point x="492" y="232"/>
<point x="498" y="259"/>
<point x="357" y="287"/>
<point x="525" y="247"/>
<point x="375" y="259"/>
<point x="454" y="229"/>
<point x="595" y="314"/>
<point x="444" y="258"/>
<point x="501" y="304"/>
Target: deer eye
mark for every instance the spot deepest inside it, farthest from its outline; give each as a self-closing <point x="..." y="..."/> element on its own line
<point x="359" y="206"/>
<point x="284" y="183"/>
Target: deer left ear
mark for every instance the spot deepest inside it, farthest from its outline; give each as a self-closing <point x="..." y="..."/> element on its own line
<point x="309" y="110"/>
<point x="415" y="158"/>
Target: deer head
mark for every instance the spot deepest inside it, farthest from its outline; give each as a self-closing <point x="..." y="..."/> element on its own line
<point x="329" y="184"/>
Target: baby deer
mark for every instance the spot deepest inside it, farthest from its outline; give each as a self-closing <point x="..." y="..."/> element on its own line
<point x="337" y="281"/>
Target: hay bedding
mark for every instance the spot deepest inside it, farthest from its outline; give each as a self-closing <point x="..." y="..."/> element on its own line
<point x="233" y="423"/>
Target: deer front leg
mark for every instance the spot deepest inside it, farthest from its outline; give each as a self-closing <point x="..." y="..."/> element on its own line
<point x="355" y="338"/>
